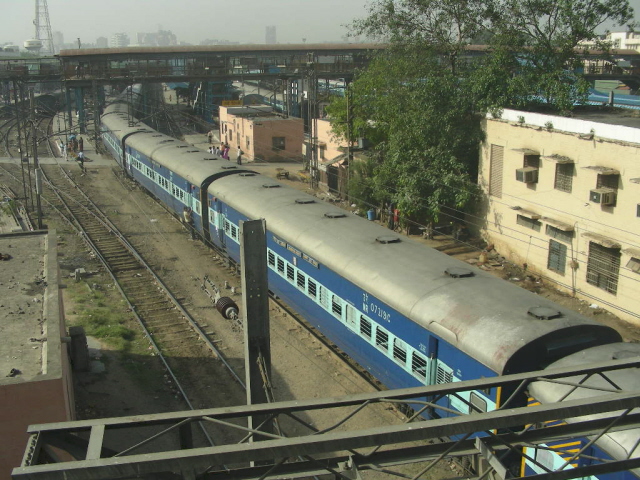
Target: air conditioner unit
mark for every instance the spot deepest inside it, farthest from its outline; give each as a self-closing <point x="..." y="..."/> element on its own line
<point x="527" y="175"/>
<point x="603" y="196"/>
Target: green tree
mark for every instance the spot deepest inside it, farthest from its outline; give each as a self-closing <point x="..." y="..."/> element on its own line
<point x="421" y="101"/>
<point x="541" y="41"/>
<point x="425" y="133"/>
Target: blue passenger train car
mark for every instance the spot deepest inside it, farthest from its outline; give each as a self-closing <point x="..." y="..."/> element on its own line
<point x="407" y="313"/>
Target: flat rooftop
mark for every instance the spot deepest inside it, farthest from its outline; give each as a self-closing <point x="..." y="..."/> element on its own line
<point x="24" y="288"/>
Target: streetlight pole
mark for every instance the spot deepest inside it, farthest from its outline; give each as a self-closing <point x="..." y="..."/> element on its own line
<point x="36" y="166"/>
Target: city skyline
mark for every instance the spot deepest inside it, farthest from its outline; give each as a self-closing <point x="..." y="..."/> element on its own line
<point x="295" y="20"/>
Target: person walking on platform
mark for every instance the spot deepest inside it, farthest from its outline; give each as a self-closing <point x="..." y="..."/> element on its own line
<point x="81" y="162"/>
<point x="239" y="157"/>
<point x="63" y="150"/>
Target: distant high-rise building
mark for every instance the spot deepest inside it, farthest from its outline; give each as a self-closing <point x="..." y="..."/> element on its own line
<point x="102" y="42"/>
<point x="119" y="40"/>
<point x="270" y="37"/>
<point x="161" y="38"/>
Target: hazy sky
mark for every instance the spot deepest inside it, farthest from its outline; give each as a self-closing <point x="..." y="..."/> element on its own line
<point x="190" y="20"/>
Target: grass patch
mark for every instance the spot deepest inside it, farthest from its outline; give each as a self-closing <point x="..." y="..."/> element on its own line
<point x="103" y="317"/>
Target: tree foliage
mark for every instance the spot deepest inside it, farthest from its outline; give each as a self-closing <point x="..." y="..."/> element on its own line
<point x="421" y="100"/>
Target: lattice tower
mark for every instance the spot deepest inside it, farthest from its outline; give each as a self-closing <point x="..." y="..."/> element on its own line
<point x="43" y="28"/>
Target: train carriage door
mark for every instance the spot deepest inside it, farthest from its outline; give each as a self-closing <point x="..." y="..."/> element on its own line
<point x="432" y="365"/>
<point x="221" y="224"/>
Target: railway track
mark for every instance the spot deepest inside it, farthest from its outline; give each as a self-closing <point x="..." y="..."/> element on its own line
<point x="166" y="324"/>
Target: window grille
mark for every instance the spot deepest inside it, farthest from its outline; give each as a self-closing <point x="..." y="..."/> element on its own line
<point x="312" y="288"/>
<point x="271" y="259"/>
<point x="302" y="280"/>
<point x="281" y="265"/>
<point x="382" y="339"/>
<point x="399" y="351"/>
<point x="365" y="328"/>
<point x="564" y="177"/>
<point x="609" y="181"/>
<point x="529" y="223"/>
<point x="495" y="172"/>
<point x="336" y="306"/>
<point x="443" y="376"/>
<point x="419" y="366"/>
<point x="557" y="260"/>
<point x="324" y="300"/>
<point x="290" y="272"/>
<point x="603" y="267"/>
<point x="531" y="161"/>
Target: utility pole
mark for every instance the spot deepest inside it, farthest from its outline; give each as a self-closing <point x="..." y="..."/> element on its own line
<point x="36" y="166"/>
<point x="255" y="302"/>
<point x="347" y="93"/>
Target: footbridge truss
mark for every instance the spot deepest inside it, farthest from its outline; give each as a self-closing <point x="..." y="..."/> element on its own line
<point x="81" y="449"/>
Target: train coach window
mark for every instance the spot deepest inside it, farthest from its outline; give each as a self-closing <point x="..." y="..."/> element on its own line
<point x="399" y="351"/>
<point x="290" y="272"/>
<point x="382" y="339"/>
<point x="336" y="306"/>
<point x="478" y="403"/>
<point x="324" y="300"/>
<point x="271" y="258"/>
<point x="419" y="366"/>
<point x="350" y="317"/>
<point x="365" y="328"/>
<point x="281" y="265"/>
<point x="311" y="288"/>
<point x="301" y="280"/>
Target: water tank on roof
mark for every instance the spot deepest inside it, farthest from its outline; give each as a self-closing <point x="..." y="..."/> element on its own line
<point x="33" y="45"/>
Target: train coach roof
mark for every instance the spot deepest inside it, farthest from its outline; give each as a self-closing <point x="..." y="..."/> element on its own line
<point x="617" y="444"/>
<point x="191" y="163"/>
<point x="482" y="315"/>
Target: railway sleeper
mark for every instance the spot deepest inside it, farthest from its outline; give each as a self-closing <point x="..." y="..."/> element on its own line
<point x="177" y="321"/>
<point x="143" y="311"/>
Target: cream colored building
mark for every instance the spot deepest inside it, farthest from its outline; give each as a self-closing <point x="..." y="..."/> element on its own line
<point x="563" y="197"/>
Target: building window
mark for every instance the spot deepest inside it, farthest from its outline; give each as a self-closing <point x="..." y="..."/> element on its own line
<point x="322" y="151"/>
<point x="529" y="223"/>
<point x="248" y="143"/>
<point x="561" y="235"/>
<point x="564" y="177"/>
<point x="634" y="264"/>
<point x="278" y="143"/>
<point x="230" y="135"/>
<point x="608" y="181"/>
<point x="532" y="161"/>
<point x="603" y="267"/>
<point x="495" y="171"/>
<point x="557" y="260"/>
